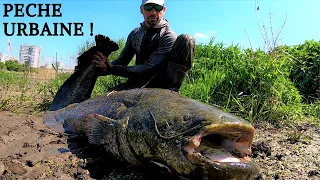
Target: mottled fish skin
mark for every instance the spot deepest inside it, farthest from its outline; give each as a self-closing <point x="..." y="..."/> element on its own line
<point x="128" y="129"/>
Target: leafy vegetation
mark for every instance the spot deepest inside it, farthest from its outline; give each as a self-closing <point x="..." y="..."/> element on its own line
<point x="2" y="66"/>
<point x="13" y="65"/>
<point x="305" y="72"/>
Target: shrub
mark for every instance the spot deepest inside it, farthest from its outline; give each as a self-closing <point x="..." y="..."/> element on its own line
<point x="306" y="70"/>
<point x="13" y="65"/>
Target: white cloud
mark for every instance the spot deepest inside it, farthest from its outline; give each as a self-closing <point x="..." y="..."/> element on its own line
<point x="204" y="35"/>
<point x="199" y="35"/>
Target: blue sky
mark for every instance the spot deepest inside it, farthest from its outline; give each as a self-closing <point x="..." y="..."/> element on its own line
<point x="227" y="20"/>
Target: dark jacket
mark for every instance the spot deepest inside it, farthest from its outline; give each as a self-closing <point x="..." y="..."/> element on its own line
<point x="152" y="47"/>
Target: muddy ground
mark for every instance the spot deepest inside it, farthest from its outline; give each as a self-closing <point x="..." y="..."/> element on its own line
<point x="29" y="150"/>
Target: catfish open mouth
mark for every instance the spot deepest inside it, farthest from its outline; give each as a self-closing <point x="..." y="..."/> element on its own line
<point x="228" y="143"/>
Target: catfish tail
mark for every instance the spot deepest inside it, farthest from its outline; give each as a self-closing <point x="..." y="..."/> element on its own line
<point x="78" y="87"/>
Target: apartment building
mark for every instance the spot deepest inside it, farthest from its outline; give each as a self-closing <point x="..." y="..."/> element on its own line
<point x="31" y="54"/>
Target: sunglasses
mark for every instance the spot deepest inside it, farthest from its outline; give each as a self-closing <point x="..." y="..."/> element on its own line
<point x="149" y="7"/>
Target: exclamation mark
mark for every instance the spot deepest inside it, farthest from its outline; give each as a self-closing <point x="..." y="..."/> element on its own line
<point x="91" y="28"/>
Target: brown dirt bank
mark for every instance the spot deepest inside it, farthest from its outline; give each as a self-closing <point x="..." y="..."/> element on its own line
<point x="29" y="150"/>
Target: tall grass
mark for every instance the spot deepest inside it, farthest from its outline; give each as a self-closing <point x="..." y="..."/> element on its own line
<point x="254" y="85"/>
<point x="17" y="92"/>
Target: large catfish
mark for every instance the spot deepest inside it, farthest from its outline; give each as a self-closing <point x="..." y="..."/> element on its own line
<point x="159" y="126"/>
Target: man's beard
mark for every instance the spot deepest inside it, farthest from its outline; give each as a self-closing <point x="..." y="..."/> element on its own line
<point x="153" y="21"/>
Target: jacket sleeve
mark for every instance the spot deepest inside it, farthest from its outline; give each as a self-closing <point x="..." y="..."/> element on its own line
<point x="156" y="60"/>
<point x="126" y="54"/>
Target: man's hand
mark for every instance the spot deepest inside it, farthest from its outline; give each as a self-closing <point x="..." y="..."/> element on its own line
<point x="76" y="69"/>
<point x="101" y="61"/>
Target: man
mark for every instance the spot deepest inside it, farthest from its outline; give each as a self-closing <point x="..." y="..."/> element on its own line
<point x="162" y="58"/>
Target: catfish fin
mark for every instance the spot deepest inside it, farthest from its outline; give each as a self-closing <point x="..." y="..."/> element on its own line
<point x="100" y="128"/>
<point x="50" y="120"/>
<point x="161" y="166"/>
<point x="160" y="169"/>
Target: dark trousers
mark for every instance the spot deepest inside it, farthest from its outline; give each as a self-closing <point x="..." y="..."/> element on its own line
<point x="180" y="62"/>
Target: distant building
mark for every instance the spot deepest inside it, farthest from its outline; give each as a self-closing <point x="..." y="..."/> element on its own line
<point x="47" y="66"/>
<point x="4" y="57"/>
<point x="31" y="54"/>
<point x="60" y="65"/>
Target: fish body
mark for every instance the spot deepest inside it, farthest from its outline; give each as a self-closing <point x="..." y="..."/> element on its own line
<point x="160" y="126"/>
<point x="146" y="126"/>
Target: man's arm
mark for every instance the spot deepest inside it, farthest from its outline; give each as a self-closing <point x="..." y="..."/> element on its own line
<point x="127" y="53"/>
<point x="154" y="62"/>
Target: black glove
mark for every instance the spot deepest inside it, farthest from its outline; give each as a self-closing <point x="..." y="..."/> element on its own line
<point x="76" y="68"/>
<point x="97" y="56"/>
<point x="101" y="62"/>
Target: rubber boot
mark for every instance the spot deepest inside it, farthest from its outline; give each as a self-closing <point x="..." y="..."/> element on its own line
<point x="181" y="61"/>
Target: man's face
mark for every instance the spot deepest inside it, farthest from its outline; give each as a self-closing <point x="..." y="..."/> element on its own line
<point x="152" y="13"/>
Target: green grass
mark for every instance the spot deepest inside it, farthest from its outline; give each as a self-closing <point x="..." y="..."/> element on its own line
<point x="254" y="85"/>
<point x="17" y="91"/>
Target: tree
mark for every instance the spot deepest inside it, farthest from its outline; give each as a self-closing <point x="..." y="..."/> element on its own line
<point x="13" y="65"/>
<point x="86" y="46"/>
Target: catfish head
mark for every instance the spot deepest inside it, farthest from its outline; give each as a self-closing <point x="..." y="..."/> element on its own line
<point x="211" y="150"/>
<point x="199" y="141"/>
